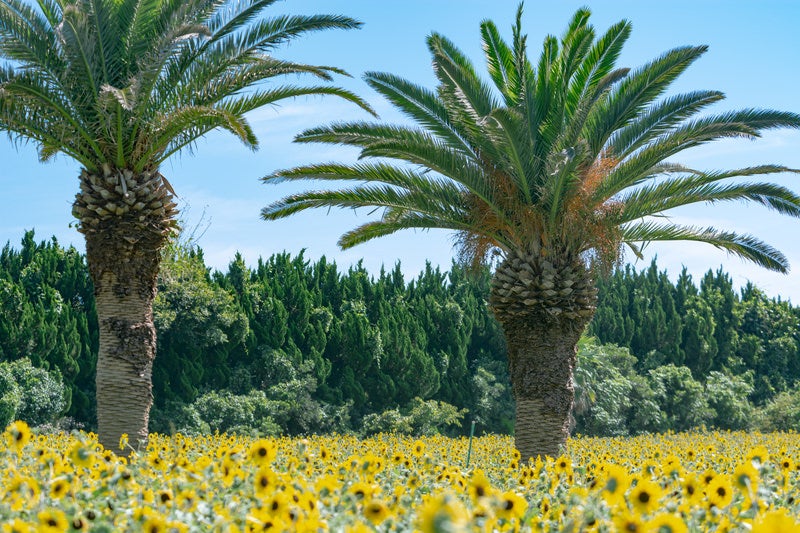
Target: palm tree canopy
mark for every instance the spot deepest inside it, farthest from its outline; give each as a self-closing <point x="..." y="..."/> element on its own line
<point x="127" y="83"/>
<point x="571" y="155"/>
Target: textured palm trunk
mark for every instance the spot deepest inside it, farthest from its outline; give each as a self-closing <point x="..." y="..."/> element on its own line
<point x="543" y="307"/>
<point x="126" y="220"/>
<point x="541" y="357"/>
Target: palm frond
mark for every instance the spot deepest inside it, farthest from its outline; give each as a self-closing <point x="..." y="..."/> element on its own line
<point x="381" y="228"/>
<point x="641" y="165"/>
<point x="570" y="158"/>
<point x="500" y="62"/>
<point x="597" y="64"/>
<point x="639" y="89"/>
<point x="648" y="201"/>
<point x="745" y="246"/>
<point x="419" y="104"/>
<point x="658" y="119"/>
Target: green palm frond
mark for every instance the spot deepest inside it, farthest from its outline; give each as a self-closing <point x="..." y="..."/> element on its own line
<point x="745" y="246"/>
<point x="645" y="201"/>
<point x="500" y="62"/>
<point x="597" y="64"/>
<point x="569" y="156"/>
<point x="134" y="81"/>
<point x="636" y="92"/>
<point x="409" y="220"/>
<point x="419" y="104"/>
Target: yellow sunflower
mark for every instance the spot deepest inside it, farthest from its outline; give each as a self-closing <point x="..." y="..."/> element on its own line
<point x="52" y="521"/>
<point x="666" y="523"/>
<point x="376" y="511"/>
<point x="59" y="488"/>
<point x="616" y="483"/>
<point x="644" y="496"/>
<point x="720" y="491"/>
<point x="443" y="512"/>
<point x="510" y="505"/>
<point x="262" y="452"/>
<point x="628" y="523"/>
<point x="17" y="435"/>
<point x="776" y="521"/>
<point x="17" y="526"/>
<point x="479" y="486"/>
<point x="745" y="478"/>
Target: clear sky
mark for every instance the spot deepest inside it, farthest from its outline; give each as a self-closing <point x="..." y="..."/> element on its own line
<point x="752" y="59"/>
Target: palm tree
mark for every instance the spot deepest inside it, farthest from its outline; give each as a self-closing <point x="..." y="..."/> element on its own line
<point x="120" y="86"/>
<point x="556" y="168"/>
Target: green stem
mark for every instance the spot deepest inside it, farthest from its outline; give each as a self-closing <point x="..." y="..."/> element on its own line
<point x="471" y="434"/>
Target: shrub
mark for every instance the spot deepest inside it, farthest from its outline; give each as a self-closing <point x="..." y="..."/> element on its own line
<point x="419" y="418"/>
<point x="727" y="396"/>
<point x="41" y="394"/>
<point x="9" y="396"/>
<point x="680" y="397"/>
<point x="782" y="413"/>
<point x="227" y="412"/>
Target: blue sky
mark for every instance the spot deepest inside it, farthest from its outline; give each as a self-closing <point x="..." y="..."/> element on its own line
<point x="752" y="59"/>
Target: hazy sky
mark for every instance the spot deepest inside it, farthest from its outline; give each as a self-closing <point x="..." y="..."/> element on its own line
<point x="752" y="59"/>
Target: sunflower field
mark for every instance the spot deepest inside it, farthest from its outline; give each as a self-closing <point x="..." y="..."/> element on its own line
<point x="701" y="481"/>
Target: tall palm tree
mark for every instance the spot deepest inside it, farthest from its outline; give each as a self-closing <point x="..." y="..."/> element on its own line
<point x="120" y="86"/>
<point x="556" y="168"/>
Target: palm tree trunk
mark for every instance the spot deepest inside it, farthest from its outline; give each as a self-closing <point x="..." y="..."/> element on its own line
<point x="541" y="357"/>
<point x="543" y="302"/>
<point x="125" y="286"/>
<point x="126" y="220"/>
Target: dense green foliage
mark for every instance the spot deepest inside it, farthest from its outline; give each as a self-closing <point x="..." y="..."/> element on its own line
<point x="30" y="393"/>
<point x="706" y="328"/>
<point x="48" y="316"/>
<point x="295" y="346"/>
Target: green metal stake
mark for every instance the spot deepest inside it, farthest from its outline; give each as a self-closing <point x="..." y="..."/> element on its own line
<point x="471" y="434"/>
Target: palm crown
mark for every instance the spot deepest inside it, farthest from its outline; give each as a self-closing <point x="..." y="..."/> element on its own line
<point x="126" y="83"/>
<point x="120" y="86"/>
<point x="565" y="157"/>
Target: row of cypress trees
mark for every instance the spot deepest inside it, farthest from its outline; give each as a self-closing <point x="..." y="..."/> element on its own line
<point x="371" y="342"/>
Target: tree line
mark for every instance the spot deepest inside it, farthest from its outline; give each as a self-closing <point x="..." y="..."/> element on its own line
<point x="299" y="346"/>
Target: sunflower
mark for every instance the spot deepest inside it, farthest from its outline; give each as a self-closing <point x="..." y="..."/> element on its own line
<point x="720" y="491"/>
<point x="510" y="505"/>
<point x="376" y="511"/>
<point x="262" y="452"/>
<point x="17" y="526"/>
<point x="563" y="465"/>
<point x="59" y="487"/>
<point x="691" y="489"/>
<point x="277" y="504"/>
<point x="759" y="455"/>
<point x="164" y="497"/>
<point x="479" y="486"/>
<point x="21" y="492"/>
<point x="417" y="448"/>
<point x="362" y="490"/>
<point x="17" y="435"/>
<point x="666" y="523"/>
<point x="775" y="521"/>
<point x="265" y="482"/>
<point x="745" y="478"/>
<point x="52" y="521"/>
<point x="644" y="496"/>
<point x="628" y="523"/>
<point x="264" y="520"/>
<point x="443" y="512"/>
<point x="616" y="483"/>
<point x="545" y="507"/>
